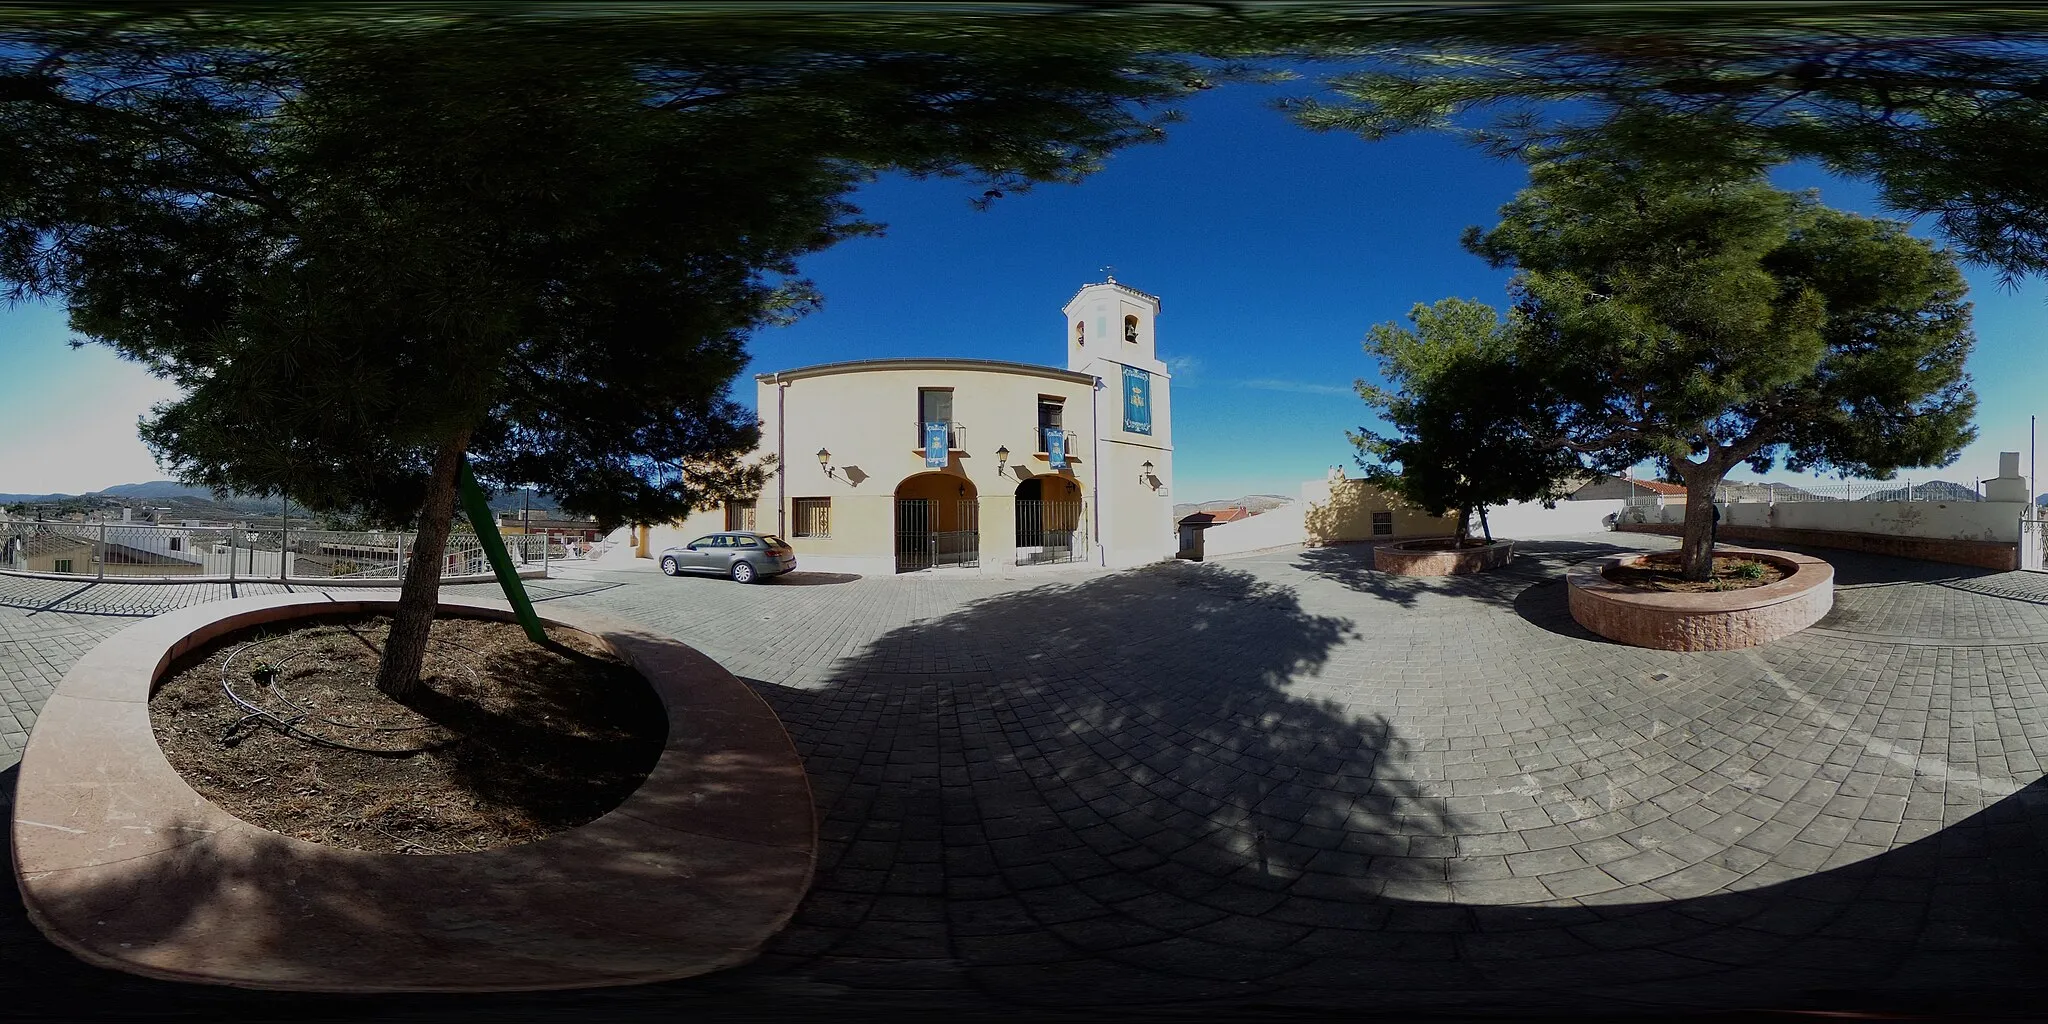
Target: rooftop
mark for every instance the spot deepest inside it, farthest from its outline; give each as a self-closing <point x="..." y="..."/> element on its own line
<point x="1120" y="286"/>
<point x="986" y="365"/>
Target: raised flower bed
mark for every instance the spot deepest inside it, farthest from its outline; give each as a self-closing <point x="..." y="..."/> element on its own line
<point x="1703" y="620"/>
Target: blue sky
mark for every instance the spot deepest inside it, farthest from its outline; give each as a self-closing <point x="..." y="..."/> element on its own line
<point x="1273" y="249"/>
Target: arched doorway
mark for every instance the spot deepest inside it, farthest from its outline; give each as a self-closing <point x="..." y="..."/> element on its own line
<point x="1049" y="520"/>
<point x="938" y="522"/>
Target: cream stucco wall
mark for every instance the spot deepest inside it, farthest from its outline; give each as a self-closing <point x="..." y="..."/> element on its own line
<point x="1340" y="512"/>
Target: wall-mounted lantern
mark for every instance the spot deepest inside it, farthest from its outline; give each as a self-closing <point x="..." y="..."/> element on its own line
<point x="825" y="461"/>
<point x="1002" y="459"/>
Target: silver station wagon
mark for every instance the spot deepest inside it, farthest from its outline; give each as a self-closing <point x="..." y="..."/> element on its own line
<point x="742" y="555"/>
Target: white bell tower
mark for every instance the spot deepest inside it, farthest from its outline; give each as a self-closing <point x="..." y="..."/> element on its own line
<point x="1115" y="323"/>
<point x="1111" y="335"/>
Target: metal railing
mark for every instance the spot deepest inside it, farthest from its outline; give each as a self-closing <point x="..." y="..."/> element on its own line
<point x="1903" y="489"/>
<point x="956" y="435"/>
<point x="2033" y="546"/>
<point x="240" y="551"/>
<point x="1069" y="435"/>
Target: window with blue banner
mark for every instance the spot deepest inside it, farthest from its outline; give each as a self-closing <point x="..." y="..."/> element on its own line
<point x="935" y="445"/>
<point x="1056" y="448"/>
<point x="1137" y="401"/>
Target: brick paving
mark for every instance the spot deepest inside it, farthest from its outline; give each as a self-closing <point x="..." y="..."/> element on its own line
<point x="1284" y="782"/>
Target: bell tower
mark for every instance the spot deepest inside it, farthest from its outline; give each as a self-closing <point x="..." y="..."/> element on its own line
<point x="1115" y="323"/>
<point x="1111" y="336"/>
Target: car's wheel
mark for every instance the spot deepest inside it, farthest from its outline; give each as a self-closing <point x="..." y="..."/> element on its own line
<point x="670" y="568"/>
<point x="743" y="572"/>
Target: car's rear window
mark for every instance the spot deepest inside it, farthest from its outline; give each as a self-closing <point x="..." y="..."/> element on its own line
<point x="745" y="542"/>
<point x="773" y="541"/>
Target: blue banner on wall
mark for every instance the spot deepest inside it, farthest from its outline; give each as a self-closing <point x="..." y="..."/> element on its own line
<point x="935" y="445"/>
<point x="1056" y="447"/>
<point x="1137" y="400"/>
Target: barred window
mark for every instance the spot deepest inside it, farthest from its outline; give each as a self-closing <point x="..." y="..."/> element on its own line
<point x="1382" y="524"/>
<point x="739" y="515"/>
<point x="813" y="517"/>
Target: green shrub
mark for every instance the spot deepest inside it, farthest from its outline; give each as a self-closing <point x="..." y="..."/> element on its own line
<point x="1750" y="570"/>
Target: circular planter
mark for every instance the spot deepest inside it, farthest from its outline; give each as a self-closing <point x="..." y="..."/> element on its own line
<point x="1712" y="621"/>
<point x="1407" y="559"/>
<point x="127" y="867"/>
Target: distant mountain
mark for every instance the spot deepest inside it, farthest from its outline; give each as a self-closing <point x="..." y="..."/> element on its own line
<point x="1742" y="490"/>
<point x="156" y="489"/>
<point x="1255" y="503"/>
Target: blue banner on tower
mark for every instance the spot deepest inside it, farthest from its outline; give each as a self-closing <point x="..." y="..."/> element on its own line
<point x="1137" y="400"/>
<point x="935" y="445"/>
<point x="1056" y="447"/>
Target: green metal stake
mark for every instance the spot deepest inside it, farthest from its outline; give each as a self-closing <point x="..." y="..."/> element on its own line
<point x="479" y="511"/>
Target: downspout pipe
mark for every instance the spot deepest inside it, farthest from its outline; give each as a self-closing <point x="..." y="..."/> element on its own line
<point x="781" y="455"/>
<point x="1095" y="456"/>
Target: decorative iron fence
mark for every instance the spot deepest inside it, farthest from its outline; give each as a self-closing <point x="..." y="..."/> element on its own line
<point x="239" y="551"/>
<point x="1905" y="488"/>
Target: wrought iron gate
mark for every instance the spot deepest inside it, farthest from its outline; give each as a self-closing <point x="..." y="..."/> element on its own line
<point x="1049" y="531"/>
<point x="920" y="545"/>
<point x="962" y="545"/>
<point x="913" y="534"/>
<point x="2034" y="538"/>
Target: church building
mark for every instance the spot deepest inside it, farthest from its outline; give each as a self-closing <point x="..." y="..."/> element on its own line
<point x="898" y="465"/>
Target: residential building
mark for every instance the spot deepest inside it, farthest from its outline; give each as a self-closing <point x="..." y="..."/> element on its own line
<point x="560" y="524"/>
<point x="1631" y="489"/>
<point x="896" y="465"/>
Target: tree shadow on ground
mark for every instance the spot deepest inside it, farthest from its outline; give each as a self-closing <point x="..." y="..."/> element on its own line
<point x="1535" y="561"/>
<point x="1135" y="791"/>
<point x="1147" y="790"/>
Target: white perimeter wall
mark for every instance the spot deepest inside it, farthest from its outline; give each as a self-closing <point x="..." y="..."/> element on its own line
<point x="1939" y="520"/>
<point x="1525" y="520"/>
<point x="1273" y="528"/>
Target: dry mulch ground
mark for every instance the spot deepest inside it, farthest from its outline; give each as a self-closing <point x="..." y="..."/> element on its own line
<point x="1662" y="572"/>
<point x="504" y="743"/>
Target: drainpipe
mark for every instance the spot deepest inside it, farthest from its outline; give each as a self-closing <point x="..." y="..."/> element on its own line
<point x="781" y="455"/>
<point x="1095" y="455"/>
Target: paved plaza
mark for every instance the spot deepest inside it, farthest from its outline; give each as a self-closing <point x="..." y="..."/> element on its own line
<point x="1284" y="783"/>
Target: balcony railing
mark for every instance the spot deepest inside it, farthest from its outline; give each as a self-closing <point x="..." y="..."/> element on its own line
<point x="1069" y="435"/>
<point x="956" y="436"/>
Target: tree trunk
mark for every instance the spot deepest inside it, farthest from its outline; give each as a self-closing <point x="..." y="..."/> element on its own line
<point x="398" y="672"/>
<point x="1697" y="554"/>
<point x="1464" y="527"/>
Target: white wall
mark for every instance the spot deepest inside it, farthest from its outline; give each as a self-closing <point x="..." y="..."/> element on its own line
<point x="1529" y="519"/>
<point x="1273" y="528"/>
<point x="1939" y="520"/>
